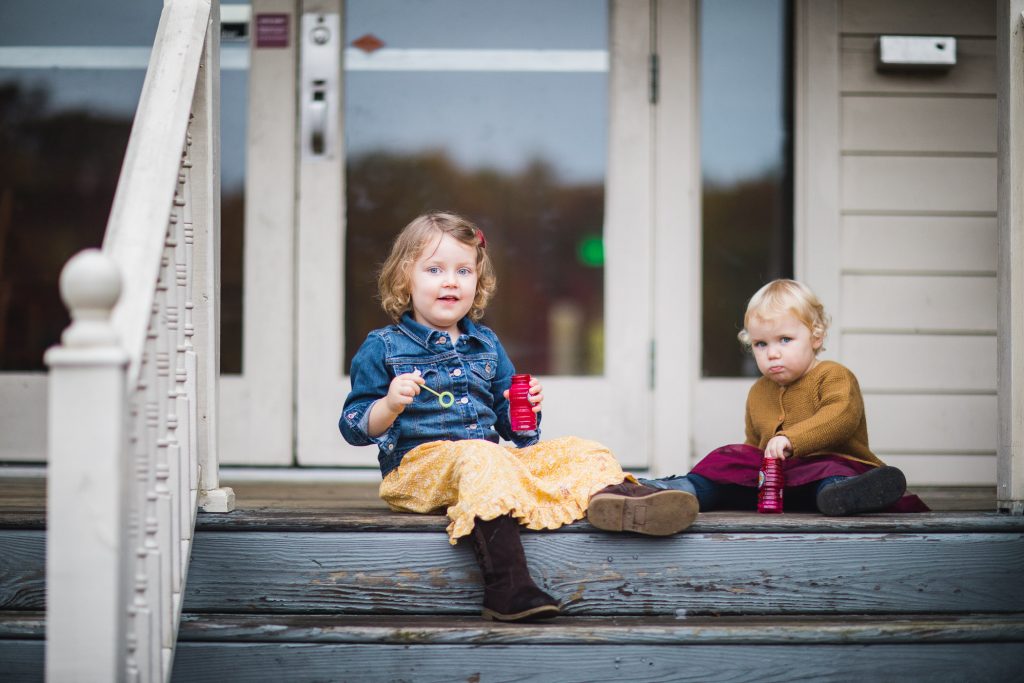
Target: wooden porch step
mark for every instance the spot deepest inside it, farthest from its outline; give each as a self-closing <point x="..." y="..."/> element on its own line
<point x="219" y="647"/>
<point x="313" y="590"/>
<point x="726" y="564"/>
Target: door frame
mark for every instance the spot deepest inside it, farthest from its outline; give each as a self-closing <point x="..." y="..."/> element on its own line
<point x="256" y="406"/>
<point x="694" y="414"/>
<point x="613" y="408"/>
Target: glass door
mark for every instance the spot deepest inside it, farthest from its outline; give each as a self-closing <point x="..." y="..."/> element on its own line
<point x="258" y="75"/>
<point x="746" y="189"/>
<point x="531" y="118"/>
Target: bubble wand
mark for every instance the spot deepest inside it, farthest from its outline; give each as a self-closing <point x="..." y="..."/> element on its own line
<point x="445" y="399"/>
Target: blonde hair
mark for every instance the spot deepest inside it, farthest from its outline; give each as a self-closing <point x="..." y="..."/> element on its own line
<point x="394" y="280"/>
<point x="780" y="297"/>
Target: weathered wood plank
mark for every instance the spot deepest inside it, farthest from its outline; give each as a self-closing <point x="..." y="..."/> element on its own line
<point x="957" y="519"/>
<point x="21" y="661"/>
<point x="434" y="630"/>
<point x="22" y="570"/>
<point x="391" y="573"/>
<point x="22" y="626"/>
<point x="713" y="522"/>
<point x="196" y="662"/>
<point x="324" y="500"/>
<point x="424" y="630"/>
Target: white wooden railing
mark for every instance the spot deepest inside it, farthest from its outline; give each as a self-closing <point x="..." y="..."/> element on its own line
<point x="133" y="384"/>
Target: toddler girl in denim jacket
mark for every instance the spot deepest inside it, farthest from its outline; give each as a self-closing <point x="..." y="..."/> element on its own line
<point x="445" y="455"/>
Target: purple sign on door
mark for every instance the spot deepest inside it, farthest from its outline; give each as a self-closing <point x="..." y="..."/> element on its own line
<point x="271" y="30"/>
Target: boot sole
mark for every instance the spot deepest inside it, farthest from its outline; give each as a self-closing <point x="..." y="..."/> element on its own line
<point x="660" y="514"/>
<point x="870" y="492"/>
<point x="542" y="612"/>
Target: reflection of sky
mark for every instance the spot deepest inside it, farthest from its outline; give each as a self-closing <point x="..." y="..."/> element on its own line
<point x="742" y="58"/>
<point x="500" y="120"/>
<point x="78" y="22"/>
<point x="490" y="24"/>
<point x="483" y="119"/>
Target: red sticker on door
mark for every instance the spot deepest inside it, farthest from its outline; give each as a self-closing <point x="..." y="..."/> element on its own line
<point x="271" y="30"/>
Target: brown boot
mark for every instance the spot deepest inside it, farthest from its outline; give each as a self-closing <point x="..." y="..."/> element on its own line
<point x="509" y="592"/>
<point x="645" y="510"/>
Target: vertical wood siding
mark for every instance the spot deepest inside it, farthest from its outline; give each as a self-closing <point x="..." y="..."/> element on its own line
<point x="918" y="239"/>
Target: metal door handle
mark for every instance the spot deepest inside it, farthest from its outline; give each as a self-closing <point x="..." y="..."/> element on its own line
<point x="318" y="118"/>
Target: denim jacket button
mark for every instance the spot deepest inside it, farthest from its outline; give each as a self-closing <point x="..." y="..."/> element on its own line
<point x="464" y="400"/>
<point x="457" y="372"/>
<point x="473" y="426"/>
<point x="442" y="340"/>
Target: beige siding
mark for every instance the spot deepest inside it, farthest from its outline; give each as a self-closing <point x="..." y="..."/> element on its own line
<point x="919" y="124"/>
<point x="944" y="17"/>
<point x="917" y="313"/>
<point x="894" y="303"/>
<point x="907" y="362"/>
<point x="974" y="73"/>
<point x="946" y="470"/>
<point x="918" y="184"/>
<point x="931" y="423"/>
<point x="919" y="243"/>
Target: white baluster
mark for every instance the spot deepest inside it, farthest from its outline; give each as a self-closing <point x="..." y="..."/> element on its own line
<point x="162" y="466"/>
<point x="89" y="468"/>
<point x="151" y="525"/>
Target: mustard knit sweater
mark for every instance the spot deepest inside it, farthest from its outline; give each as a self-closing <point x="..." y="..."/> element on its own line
<point x="822" y="412"/>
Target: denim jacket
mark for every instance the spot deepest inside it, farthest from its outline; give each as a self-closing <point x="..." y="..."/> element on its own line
<point x="475" y="369"/>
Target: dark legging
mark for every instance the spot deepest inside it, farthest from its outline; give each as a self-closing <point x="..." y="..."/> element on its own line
<point x="714" y="496"/>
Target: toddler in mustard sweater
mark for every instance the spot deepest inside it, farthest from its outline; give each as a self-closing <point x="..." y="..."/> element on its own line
<point x="805" y="411"/>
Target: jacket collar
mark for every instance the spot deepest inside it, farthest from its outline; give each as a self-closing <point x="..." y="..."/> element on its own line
<point x="428" y="337"/>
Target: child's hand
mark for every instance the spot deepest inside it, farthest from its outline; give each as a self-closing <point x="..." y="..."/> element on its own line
<point x="536" y="396"/>
<point x="402" y="391"/>
<point x="778" y="447"/>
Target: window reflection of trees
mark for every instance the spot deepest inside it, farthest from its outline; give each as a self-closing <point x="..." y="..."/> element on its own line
<point x="56" y="186"/>
<point x="57" y="182"/>
<point x="548" y="309"/>
<point x="747" y="242"/>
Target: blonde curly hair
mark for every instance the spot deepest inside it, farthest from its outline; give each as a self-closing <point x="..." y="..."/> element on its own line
<point x="393" y="283"/>
<point x="780" y="297"/>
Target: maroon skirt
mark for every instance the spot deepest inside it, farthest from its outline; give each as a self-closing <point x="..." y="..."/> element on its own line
<point x="740" y="464"/>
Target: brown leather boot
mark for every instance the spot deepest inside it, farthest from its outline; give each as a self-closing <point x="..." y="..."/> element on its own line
<point x="645" y="510"/>
<point x="509" y="592"/>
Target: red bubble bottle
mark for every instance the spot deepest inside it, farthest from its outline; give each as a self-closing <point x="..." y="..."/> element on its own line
<point x="770" y="482"/>
<point x="520" y="409"/>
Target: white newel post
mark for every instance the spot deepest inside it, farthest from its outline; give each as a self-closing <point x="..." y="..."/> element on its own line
<point x="87" y="500"/>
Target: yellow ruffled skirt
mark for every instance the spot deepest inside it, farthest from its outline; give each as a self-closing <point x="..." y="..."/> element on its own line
<point x="544" y="486"/>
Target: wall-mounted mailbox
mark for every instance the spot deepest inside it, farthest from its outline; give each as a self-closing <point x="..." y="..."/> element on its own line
<point x="930" y="53"/>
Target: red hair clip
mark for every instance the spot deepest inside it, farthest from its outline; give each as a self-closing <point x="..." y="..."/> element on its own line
<point x="483" y="240"/>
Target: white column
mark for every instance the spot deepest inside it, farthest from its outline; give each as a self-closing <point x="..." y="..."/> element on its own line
<point x="1010" y="341"/>
<point x="205" y="184"/>
<point x="86" y="540"/>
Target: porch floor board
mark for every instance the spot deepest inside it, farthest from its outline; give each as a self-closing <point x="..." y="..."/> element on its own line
<point x="310" y="506"/>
